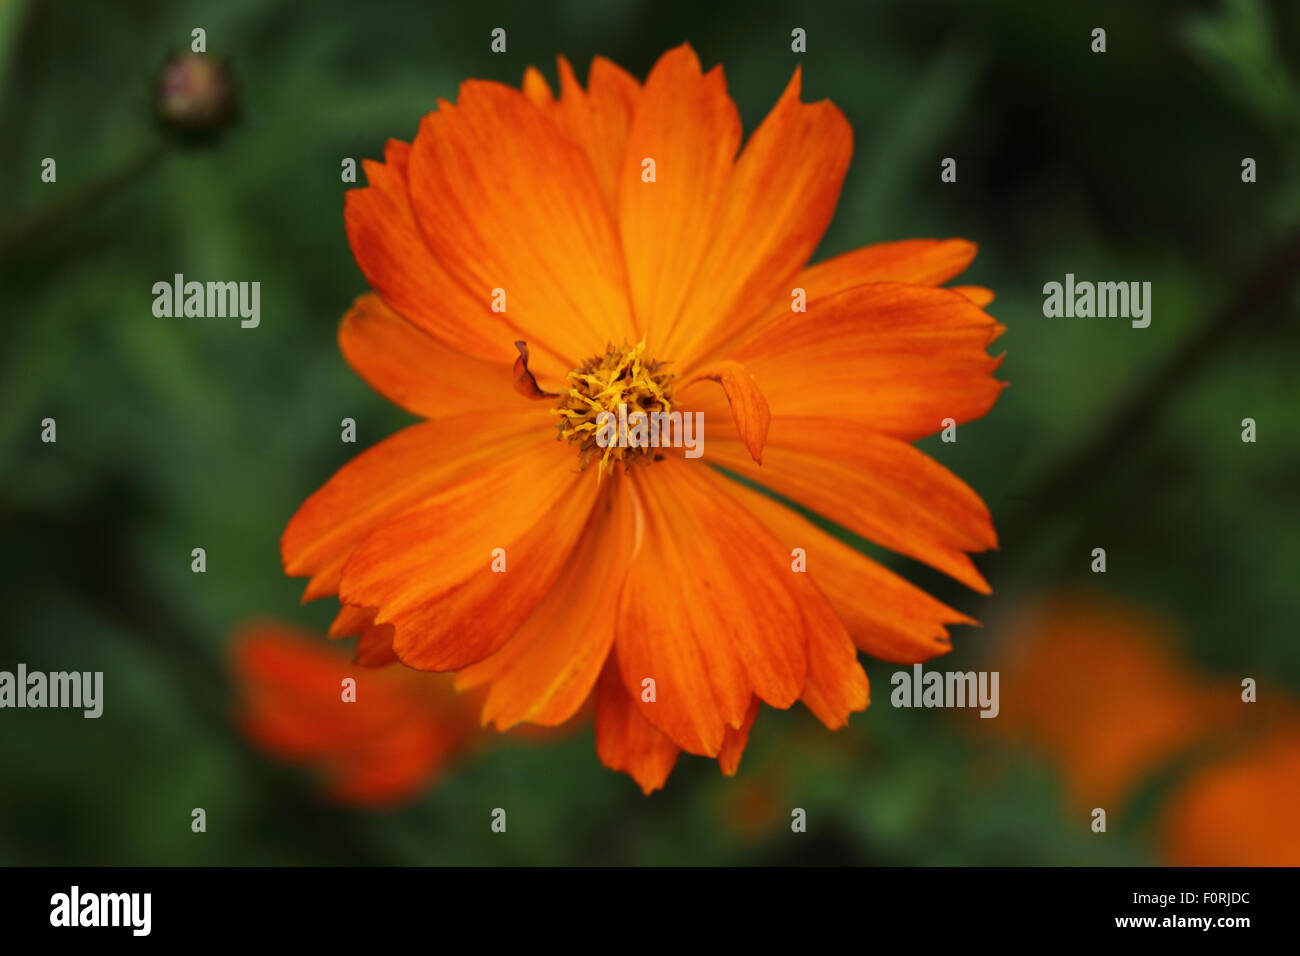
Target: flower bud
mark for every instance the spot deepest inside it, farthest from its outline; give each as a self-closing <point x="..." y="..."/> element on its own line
<point x="195" y="96"/>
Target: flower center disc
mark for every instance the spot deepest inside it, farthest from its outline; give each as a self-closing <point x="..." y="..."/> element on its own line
<point x="625" y="377"/>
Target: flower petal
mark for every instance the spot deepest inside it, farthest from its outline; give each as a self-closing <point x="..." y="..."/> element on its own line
<point x="416" y="371"/>
<point x="733" y="745"/>
<point x="914" y="261"/>
<point x="538" y="91"/>
<point x="505" y="201"/>
<point x="599" y="118"/>
<point x="732" y="627"/>
<point x="749" y="409"/>
<point x="525" y="382"/>
<point x="779" y="201"/>
<point x="390" y="477"/>
<point x="688" y="125"/>
<point x="392" y="254"/>
<point x="887" y="616"/>
<point x="836" y="684"/>
<point x="351" y="621"/>
<point x="875" y="485"/>
<point x="375" y="647"/>
<point x="625" y="740"/>
<point x="925" y="262"/>
<point x="976" y="293"/>
<point x="547" y="670"/>
<point x="900" y="358"/>
<point x="429" y="570"/>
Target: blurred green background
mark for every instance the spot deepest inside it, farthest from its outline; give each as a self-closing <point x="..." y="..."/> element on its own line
<point x="180" y="433"/>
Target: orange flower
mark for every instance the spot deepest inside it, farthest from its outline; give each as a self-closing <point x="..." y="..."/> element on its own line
<point x="618" y="234"/>
<point x="1241" y="811"/>
<point x="384" y="747"/>
<point x="1095" y="684"/>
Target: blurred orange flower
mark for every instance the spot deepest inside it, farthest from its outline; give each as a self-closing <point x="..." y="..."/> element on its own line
<point x="386" y="746"/>
<point x="538" y="261"/>
<point x="1242" y="810"/>
<point x="1096" y="684"/>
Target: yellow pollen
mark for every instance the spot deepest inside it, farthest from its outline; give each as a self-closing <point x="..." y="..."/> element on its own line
<point x="624" y="377"/>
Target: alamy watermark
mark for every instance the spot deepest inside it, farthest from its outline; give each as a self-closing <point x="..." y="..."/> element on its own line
<point x="919" y="688"/>
<point x="1125" y="300"/>
<point x="74" y="908"/>
<point x="75" y="689"/>
<point x="639" y="429"/>
<point x="213" y="300"/>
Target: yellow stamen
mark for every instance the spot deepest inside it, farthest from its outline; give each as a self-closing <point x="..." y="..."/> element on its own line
<point x="624" y="377"/>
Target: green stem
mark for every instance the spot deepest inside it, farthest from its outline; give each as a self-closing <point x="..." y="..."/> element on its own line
<point x="1255" y="306"/>
<point x="80" y="202"/>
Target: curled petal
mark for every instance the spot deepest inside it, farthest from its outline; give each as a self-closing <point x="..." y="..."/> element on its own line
<point x="748" y="406"/>
<point x="525" y="384"/>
